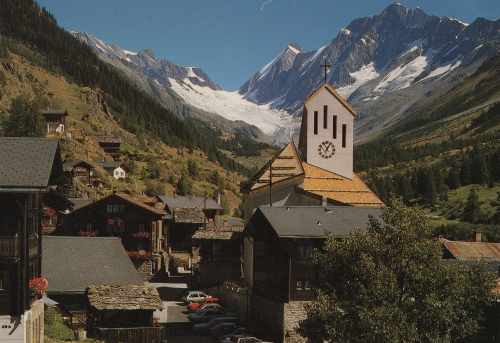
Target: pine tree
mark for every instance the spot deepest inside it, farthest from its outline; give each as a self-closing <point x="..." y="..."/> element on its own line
<point x="472" y="211"/>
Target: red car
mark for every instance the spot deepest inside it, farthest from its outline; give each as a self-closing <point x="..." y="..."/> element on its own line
<point x="193" y="306"/>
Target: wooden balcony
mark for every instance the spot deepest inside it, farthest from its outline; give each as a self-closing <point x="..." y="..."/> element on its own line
<point x="9" y="246"/>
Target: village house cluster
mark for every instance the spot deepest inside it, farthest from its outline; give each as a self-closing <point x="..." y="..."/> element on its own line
<point x="96" y="254"/>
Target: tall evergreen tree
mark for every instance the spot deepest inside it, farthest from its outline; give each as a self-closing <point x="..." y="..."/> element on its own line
<point x="25" y="118"/>
<point x="472" y="211"/>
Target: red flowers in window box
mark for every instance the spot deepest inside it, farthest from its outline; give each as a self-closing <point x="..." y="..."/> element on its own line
<point x="139" y="255"/>
<point x="142" y="234"/>
<point x="38" y="285"/>
<point x="48" y="212"/>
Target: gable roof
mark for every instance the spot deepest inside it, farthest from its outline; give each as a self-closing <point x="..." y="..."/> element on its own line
<point x="219" y="232"/>
<point x="107" y="139"/>
<point x="178" y="201"/>
<point x="29" y="164"/>
<point x="285" y="166"/>
<point x="191" y="215"/>
<point x="111" y="164"/>
<point x="335" y="94"/>
<point x="472" y="250"/>
<point x="128" y="198"/>
<point x="313" y="221"/>
<point x="123" y="297"/>
<point x="338" y="188"/>
<point x="54" y="114"/>
<point x="71" y="264"/>
<point x="71" y="164"/>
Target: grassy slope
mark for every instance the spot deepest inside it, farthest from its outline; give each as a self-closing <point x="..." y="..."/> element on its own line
<point x="82" y="102"/>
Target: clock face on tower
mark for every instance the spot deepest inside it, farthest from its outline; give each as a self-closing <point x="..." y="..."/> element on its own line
<point x="326" y="149"/>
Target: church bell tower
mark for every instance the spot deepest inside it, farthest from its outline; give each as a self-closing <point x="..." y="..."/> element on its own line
<point x="326" y="133"/>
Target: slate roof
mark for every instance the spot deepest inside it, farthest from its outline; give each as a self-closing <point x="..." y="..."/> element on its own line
<point x="177" y="201"/>
<point x="71" y="264"/>
<point x="472" y="250"/>
<point x="123" y="297"/>
<point x="27" y="163"/>
<point x="111" y="164"/>
<point x="71" y="164"/>
<point x="107" y="139"/>
<point x="312" y="221"/>
<point x="352" y="192"/>
<point x="191" y="215"/>
<point x="51" y="115"/>
<point x="219" y="232"/>
<point x="81" y="203"/>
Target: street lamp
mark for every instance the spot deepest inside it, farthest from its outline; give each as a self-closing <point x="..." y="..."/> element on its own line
<point x="287" y="337"/>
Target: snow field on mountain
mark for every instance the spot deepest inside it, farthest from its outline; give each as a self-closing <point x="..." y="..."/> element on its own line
<point x="232" y="106"/>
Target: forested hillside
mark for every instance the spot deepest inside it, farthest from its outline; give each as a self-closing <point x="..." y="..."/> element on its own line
<point x="445" y="157"/>
<point x="42" y="65"/>
<point x="58" y="51"/>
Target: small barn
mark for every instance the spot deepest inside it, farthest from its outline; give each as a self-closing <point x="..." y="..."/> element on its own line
<point x="55" y="120"/>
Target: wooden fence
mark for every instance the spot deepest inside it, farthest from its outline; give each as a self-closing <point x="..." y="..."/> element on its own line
<point x="131" y="335"/>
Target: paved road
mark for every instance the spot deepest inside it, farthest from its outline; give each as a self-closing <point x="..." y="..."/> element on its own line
<point x="174" y="314"/>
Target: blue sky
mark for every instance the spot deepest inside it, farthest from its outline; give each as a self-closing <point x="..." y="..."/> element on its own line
<point x="232" y="39"/>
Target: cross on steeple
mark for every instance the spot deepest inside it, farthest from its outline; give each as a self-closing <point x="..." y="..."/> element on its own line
<point x="325" y="65"/>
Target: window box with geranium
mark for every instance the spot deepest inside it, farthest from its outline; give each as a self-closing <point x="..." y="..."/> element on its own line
<point x="142" y="234"/>
<point x="140" y="255"/>
<point x="38" y="286"/>
<point x="115" y="224"/>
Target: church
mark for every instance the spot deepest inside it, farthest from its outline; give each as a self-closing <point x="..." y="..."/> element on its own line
<point x="291" y="202"/>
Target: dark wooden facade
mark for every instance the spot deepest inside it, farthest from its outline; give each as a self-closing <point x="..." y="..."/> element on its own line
<point x="20" y="250"/>
<point x="110" y="145"/>
<point x="118" y="215"/>
<point x="283" y="267"/>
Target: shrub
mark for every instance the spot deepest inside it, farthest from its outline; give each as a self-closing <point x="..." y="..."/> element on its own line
<point x="54" y="326"/>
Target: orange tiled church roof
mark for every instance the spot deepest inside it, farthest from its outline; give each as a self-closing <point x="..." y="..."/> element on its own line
<point x="350" y="192"/>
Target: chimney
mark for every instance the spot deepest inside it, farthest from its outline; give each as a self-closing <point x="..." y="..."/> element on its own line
<point x="477" y="235"/>
<point x="324" y="201"/>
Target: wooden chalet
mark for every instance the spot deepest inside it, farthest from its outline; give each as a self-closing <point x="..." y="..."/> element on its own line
<point x="186" y="214"/>
<point x="55" y="120"/>
<point x="138" y="225"/>
<point x="29" y="168"/>
<point x="220" y="250"/>
<point x="80" y="170"/>
<point x="53" y="205"/>
<point x="110" y="145"/>
<point x="208" y="205"/>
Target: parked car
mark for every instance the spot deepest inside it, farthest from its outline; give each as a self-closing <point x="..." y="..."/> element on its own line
<point x="203" y="307"/>
<point x="223" y="328"/>
<point x="242" y="331"/>
<point x="194" y="296"/>
<point x="246" y="340"/>
<point x="191" y="307"/>
<point x="208" y="314"/>
<point x="206" y="327"/>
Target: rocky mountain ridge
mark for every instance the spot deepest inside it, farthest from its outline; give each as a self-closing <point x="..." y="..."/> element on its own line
<point x="386" y="66"/>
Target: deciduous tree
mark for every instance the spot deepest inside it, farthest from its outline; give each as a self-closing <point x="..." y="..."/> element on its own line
<point x="390" y="284"/>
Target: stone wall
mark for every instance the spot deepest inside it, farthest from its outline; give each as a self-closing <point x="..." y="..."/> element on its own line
<point x="293" y="313"/>
<point x="145" y="268"/>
